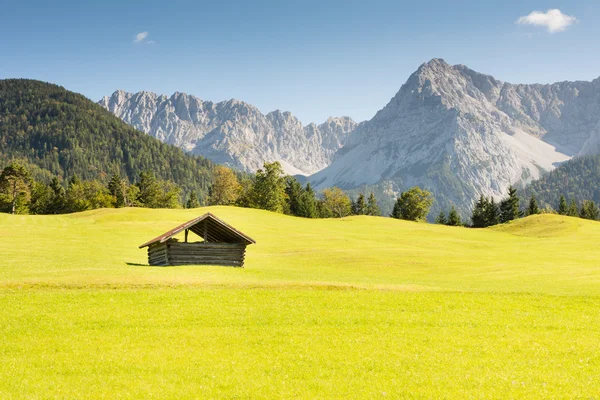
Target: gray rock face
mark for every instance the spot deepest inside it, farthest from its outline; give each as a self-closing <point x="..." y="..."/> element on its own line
<point x="232" y="132"/>
<point x="460" y="134"/>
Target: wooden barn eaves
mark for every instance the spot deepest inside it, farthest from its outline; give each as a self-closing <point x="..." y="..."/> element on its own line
<point x="212" y="230"/>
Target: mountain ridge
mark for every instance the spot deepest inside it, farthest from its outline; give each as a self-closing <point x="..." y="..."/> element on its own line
<point x="461" y="134"/>
<point x="232" y="132"/>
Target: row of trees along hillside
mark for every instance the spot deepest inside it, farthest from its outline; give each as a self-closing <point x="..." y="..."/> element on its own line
<point x="415" y="204"/>
<point x="55" y="132"/>
<point x="269" y="189"/>
<point x="487" y="212"/>
<point x="577" y="179"/>
<point x="20" y="193"/>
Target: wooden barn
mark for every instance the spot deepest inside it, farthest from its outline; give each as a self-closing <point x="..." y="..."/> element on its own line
<point x="221" y="244"/>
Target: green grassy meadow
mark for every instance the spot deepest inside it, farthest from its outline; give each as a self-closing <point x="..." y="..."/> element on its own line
<point x="361" y="307"/>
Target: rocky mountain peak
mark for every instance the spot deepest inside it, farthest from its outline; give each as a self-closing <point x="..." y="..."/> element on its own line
<point x="461" y="133"/>
<point x="232" y="132"/>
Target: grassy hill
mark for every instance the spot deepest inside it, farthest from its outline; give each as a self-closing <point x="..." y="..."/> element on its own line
<point x="358" y="307"/>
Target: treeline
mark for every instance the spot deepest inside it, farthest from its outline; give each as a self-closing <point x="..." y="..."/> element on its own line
<point x="415" y="203"/>
<point x="487" y="212"/>
<point x="20" y="193"/>
<point x="270" y="189"/>
<point x="577" y="179"/>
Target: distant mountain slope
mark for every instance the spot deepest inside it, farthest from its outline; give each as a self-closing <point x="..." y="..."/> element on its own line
<point x="232" y="132"/>
<point x="461" y="134"/>
<point x="65" y="133"/>
<point x="577" y="179"/>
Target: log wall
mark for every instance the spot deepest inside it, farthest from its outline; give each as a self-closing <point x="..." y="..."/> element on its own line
<point x="157" y="254"/>
<point x="178" y="253"/>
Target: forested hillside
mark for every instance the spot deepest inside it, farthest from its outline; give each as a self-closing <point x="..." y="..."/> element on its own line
<point x="58" y="132"/>
<point x="577" y="179"/>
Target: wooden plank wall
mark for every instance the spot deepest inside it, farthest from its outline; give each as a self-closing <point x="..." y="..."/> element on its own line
<point x="177" y="253"/>
<point x="157" y="254"/>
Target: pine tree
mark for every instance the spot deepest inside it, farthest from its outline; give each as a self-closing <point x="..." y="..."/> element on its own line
<point x="454" y="218"/>
<point x="57" y="203"/>
<point x="307" y="205"/>
<point x="478" y="217"/>
<point x="397" y="211"/>
<point x="118" y="189"/>
<point x="563" y="209"/>
<point x="492" y="213"/>
<point x="372" y="207"/>
<point x="359" y="206"/>
<point x="75" y="199"/>
<point x="74" y="180"/>
<point x="509" y="207"/>
<point x="589" y="210"/>
<point x="156" y="193"/>
<point x="41" y="197"/>
<point x="293" y="191"/>
<point x="192" y="201"/>
<point x="533" y="208"/>
<point x="150" y="191"/>
<point x="573" y="211"/>
<point x="441" y="218"/>
<point x="170" y="196"/>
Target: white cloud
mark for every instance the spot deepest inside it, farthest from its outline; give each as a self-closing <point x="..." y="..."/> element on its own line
<point x="140" y="37"/>
<point x="554" y="20"/>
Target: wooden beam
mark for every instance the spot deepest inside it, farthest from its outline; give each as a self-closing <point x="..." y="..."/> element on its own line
<point x="186" y="235"/>
<point x="205" y="231"/>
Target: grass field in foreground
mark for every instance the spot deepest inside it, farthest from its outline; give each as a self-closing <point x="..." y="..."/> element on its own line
<point x="361" y="307"/>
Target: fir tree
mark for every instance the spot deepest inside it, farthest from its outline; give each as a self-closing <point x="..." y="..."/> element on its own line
<point x="454" y="218"/>
<point x="573" y="211"/>
<point x="509" y="207"/>
<point x="57" y="203"/>
<point x="192" y="201"/>
<point x="307" y="205"/>
<point x="533" y="208"/>
<point x="118" y="189"/>
<point x="589" y="210"/>
<point x="397" y="210"/>
<point x="492" y="213"/>
<point x="294" y="192"/>
<point x="170" y="196"/>
<point x="41" y="198"/>
<point x="441" y="218"/>
<point x="359" y="206"/>
<point x="156" y="193"/>
<point x="372" y="207"/>
<point x="478" y="217"/>
<point x="150" y="190"/>
<point x="563" y="209"/>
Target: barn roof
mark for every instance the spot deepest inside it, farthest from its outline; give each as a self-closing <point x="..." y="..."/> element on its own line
<point x="216" y="231"/>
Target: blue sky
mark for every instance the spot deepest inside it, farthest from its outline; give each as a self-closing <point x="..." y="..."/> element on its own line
<point x="313" y="58"/>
